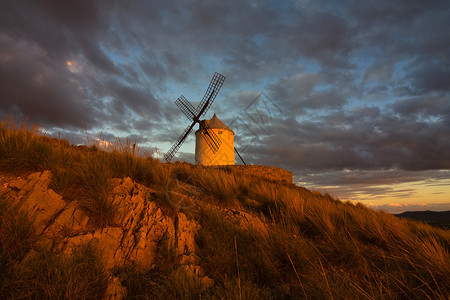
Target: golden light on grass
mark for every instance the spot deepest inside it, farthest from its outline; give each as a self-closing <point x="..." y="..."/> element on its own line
<point x="254" y="235"/>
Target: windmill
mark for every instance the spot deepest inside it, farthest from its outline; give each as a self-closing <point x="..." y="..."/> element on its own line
<point x="193" y="114"/>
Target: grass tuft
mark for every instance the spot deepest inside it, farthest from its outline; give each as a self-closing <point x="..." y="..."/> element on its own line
<point x="26" y="273"/>
<point x="94" y="177"/>
<point x="48" y="275"/>
<point x="17" y="232"/>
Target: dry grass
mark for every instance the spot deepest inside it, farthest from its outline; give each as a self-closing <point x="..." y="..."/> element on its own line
<point x="79" y="173"/>
<point x="47" y="275"/>
<point x="28" y="274"/>
<point x="316" y="246"/>
<point x="165" y="280"/>
<point x="17" y="232"/>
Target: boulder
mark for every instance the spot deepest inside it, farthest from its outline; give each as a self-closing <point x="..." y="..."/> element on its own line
<point x="71" y="221"/>
<point x="34" y="196"/>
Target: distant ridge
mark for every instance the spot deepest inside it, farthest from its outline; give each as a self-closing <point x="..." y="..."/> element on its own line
<point x="435" y="218"/>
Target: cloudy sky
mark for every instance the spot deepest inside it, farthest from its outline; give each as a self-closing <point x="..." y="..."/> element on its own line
<point x="353" y="97"/>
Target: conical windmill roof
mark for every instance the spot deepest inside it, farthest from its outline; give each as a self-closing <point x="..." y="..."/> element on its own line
<point x="215" y="123"/>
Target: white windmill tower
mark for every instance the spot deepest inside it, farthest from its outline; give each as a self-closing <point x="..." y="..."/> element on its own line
<point x="214" y="140"/>
<point x="204" y="154"/>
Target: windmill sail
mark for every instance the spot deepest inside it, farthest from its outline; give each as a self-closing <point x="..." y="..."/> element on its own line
<point x="186" y="107"/>
<point x="211" y="92"/>
<point x="170" y="154"/>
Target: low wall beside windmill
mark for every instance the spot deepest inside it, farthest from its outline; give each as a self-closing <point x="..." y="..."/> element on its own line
<point x="266" y="172"/>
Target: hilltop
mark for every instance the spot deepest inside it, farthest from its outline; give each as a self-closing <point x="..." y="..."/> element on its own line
<point x="79" y="222"/>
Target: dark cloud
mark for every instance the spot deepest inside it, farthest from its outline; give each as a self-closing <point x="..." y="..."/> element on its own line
<point x="380" y="70"/>
<point x="30" y="87"/>
<point x="59" y="29"/>
<point x="138" y="100"/>
<point x="37" y="41"/>
<point x="358" y="139"/>
<point x="382" y="177"/>
<point x="432" y="77"/>
<point x="306" y="91"/>
<point x="346" y="85"/>
<point x="322" y="35"/>
<point x="95" y="55"/>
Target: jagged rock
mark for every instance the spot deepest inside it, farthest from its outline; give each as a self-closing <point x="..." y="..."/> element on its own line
<point x="123" y="186"/>
<point x="138" y="229"/>
<point x="71" y="221"/>
<point x="145" y="225"/>
<point x="34" y="196"/>
<point x="106" y="240"/>
<point x="115" y="290"/>
<point x="185" y="243"/>
<point x="240" y="218"/>
<point x="245" y="220"/>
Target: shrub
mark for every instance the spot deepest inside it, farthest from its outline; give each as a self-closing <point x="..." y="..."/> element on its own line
<point x="93" y="176"/>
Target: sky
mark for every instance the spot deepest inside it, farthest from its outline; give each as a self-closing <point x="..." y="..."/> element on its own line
<point x="352" y="97"/>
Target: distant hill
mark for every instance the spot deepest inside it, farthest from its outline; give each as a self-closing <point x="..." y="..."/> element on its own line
<point x="435" y="218"/>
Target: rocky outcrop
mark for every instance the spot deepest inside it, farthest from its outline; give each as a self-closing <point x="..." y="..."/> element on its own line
<point x="240" y="219"/>
<point x="33" y="195"/>
<point x="245" y="220"/>
<point x="139" y="226"/>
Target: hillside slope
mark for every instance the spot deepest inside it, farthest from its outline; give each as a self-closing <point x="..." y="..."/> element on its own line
<point x="77" y="222"/>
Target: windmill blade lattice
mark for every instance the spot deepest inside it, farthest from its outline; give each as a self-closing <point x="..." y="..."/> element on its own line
<point x="186" y="107"/>
<point x="211" y="93"/>
<point x="210" y="137"/>
<point x="171" y="153"/>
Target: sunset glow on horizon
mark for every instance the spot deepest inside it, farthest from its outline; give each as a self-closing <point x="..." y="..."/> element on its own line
<point x="397" y="198"/>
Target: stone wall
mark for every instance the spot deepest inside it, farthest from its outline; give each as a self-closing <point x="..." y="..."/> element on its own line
<point x="265" y="172"/>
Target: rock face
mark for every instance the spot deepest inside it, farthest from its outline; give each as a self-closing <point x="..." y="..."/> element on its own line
<point x="140" y="226"/>
<point x="34" y="196"/>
